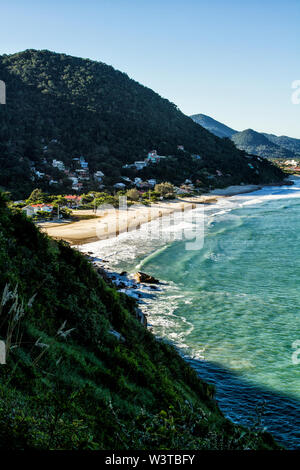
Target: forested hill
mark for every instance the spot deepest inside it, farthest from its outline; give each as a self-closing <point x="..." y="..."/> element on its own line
<point x="258" y="144"/>
<point x="73" y="107"/>
<point x="252" y="142"/>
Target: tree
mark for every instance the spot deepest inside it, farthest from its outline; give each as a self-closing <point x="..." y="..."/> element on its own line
<point x="133" y="194"/>
<point x="37" y="196"/>
<point x="166" y="190"/>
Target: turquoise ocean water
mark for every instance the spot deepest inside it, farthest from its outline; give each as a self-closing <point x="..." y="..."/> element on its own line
<point x="232" y="307"/>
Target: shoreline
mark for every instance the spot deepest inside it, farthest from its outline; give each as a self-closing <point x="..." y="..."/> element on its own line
<point x="113" y="222"/>
<point x="126" y="283"/>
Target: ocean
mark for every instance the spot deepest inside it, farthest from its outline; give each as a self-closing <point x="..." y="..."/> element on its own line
<point x="231" y="305"/>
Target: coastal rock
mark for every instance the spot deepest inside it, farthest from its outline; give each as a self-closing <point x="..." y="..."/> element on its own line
<point x="145" y="278"/>
<point x="104" y="275"/>
<point x="141" y="317"/>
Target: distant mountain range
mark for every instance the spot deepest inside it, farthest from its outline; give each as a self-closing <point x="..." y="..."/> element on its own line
<point x="256" y="143"/>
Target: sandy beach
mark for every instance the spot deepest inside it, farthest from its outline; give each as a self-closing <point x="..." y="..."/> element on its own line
<point x="110" y="223"/>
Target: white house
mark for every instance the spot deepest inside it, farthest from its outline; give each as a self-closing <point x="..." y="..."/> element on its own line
<point x="98" y="175"/>
<point x="58" y="164"/>
<point x="33" y="209"/>
<point x="140" y="165"/>
<point x="290" y="163"/>
<point x="119" y="185"/>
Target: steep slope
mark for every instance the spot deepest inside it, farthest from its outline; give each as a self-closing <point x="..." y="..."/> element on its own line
<point x="257" y="144"/>
<point x="286" y="142"/>
<point x="82" y="372"/>
<point x="61" y="107"/>
<point x="216" y="127"/>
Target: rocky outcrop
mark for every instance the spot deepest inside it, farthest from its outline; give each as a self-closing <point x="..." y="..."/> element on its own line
<point x="145" y="278"/>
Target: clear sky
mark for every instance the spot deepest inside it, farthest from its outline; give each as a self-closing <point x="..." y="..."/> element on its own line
<point x="234" y="60"/>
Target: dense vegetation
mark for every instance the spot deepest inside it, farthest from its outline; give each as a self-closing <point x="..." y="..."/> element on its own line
<point x="61" y="107"/>
<point x="82" y="372"/>
<point x="256" y="143"/>
<point x="286" y="142"/>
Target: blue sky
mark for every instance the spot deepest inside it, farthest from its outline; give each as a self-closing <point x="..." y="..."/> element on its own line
<point x="232" y="60"/>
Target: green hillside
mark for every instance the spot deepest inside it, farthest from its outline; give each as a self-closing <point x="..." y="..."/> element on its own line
<point x="252" y="142"/>
<point x="62" y="107"/>
<point x="286" y="142"/>
<point x="82" y="372"/>
<point x="257" y="144"/>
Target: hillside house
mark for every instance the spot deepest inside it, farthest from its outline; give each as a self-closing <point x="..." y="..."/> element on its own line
<point x="137" y="181"/>
<point x="77" y="186"/>
<point x="58" y="164"/>
<point x="125" y="178"/>
<point x="83" y="163"/>
<point x="140" y="165"/>
<point x="82" y="174"/>
<point x="152" y="157"/>
<point x="98" y="176"/>
<point x="39" y="174"/>
<point x="119" y="185"/>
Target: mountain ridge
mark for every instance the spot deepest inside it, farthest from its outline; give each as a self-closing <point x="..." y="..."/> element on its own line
<point x="251" y="141"/>
<point x="216" y="127"/>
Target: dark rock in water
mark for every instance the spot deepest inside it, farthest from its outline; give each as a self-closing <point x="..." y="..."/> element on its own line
<point x="123" y="273"/>
<point x="121" y="285"/>
<point x="143" y="277"/>
<point x="153" y="287"/>
<point x="104" y="275"/>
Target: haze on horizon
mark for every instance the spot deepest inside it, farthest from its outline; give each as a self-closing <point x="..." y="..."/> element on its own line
<point x="229" y="60"/>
